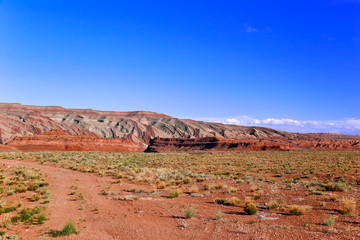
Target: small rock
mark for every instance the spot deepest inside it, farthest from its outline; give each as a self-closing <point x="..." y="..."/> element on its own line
<point x="299" y="199"/>
<point x="261" y="205"/>
<point x="195" y="195"/>
<point x="264" y="216"/>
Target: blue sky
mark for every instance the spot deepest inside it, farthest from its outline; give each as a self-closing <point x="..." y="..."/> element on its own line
<point x="291" y="65"/>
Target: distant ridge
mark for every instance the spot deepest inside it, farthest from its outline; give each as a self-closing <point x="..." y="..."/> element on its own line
<point x="136" y="126"/>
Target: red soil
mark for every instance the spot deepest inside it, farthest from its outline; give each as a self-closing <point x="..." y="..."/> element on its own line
<point x="155" y="216"/>
<point x="58" y="140"/>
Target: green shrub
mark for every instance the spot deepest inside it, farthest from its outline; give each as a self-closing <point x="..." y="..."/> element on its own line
<point x="187" y="180"/>
<point x="174" y="194"/>
<point x="9" y="209"/>
<point x="15" y="219"/>
<point x="329" y="221"/>
<point x="20" y="189"/>
<point x="41" y="219"/>
<point x="189" y="212"/>
<point x="24" y="217"/>
<point x="250" y="208"/>
<point x="68" y="229"/>
<point x="36" y="197"/>
<point x="33" y="187"/>
<point x="220" y="201"/>
<point x="80" y="196"/>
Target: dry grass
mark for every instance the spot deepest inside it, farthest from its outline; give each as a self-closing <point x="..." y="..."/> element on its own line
<point x="273" y="204"/>
<point x="265" y="175"/>
<point x="193" y="190"/>
<point x="299" y="209"/>
<point x="233" y="201"/>
<point x="347" y="206"/>
<point x="175" y="193"/>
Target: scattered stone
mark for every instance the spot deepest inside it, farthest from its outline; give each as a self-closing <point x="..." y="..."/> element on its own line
<point x="127" y="197"/>
<point x="264" y="216"/>
<point x="299" y="199"/>
<point x="195" y="195"/>
<point x="261" y="205"/>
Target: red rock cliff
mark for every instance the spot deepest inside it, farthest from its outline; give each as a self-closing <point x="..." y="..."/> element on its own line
<point x="58" y="140"/>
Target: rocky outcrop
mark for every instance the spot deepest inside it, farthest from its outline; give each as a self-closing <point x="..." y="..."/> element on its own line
<point x="278" y="144"/>
<point x="214" y="144"/>
<point x="25" y="127"/>
<point x="58" y="140"/>
<point x="138" y="126"/>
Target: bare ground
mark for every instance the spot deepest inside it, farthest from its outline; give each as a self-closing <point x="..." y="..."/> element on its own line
<point x="154" y="216"/>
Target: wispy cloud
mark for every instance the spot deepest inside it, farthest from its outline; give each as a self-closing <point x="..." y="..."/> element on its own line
<point x="250" y="29"/>
<point x="347" y="126"/>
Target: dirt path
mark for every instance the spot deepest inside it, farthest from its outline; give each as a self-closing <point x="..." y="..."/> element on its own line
<point x="113" y="220"/>
<point x="150" y="217"/>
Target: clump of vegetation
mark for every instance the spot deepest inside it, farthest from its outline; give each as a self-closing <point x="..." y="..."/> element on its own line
<point x="329" y="221"/>
<point x="36" y="197"/>
<point x="233" y="190"/>
<point x="219" y="215"/>
<point x="333" y="197"/>
<point x="193" y="189"/>
<point x="299" y="210"/>
<point x="68" y="229"/>
<point x="31" y="185"/>
<point x="161" y="185"/>
<point x="187" y="180"/>
<point x="80" y="196"/>
<point x="250" y="208"/>
<point x="41" y="219"/>
<point x="189" y="212"/>
<point x="347" y="206"/>
<point x="175" y="193"/>
<point x="336" y="187"/>
<point x="273" y="204"/>
<point x="233" y="201"/>
<point x="220" y="201"/>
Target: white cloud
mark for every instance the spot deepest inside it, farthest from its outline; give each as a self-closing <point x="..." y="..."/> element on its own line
<point x="347" y="126"/>
<point x="250" y="29"/>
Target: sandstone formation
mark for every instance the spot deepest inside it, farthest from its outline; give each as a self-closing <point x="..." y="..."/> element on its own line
<point x="58" y="140"/>
<point x="27" y="128"/>
<point x="222" y="144"/>
<point x="213" y="144"/>
<point x="138" y="126"/>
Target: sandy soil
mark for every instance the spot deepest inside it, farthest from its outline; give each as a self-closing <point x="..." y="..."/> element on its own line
<point x="155" y="216"/>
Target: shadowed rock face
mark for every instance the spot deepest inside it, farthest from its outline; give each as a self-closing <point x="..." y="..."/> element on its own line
<point x="139" y="126"/>
<point x="301" y="142"/>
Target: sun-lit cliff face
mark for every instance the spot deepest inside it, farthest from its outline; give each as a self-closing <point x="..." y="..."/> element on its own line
<point x="140" y="126"/>
<point x="57" y="128"/>
<point x="58" y="140"/>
